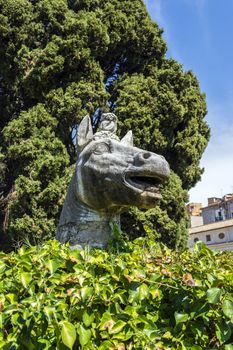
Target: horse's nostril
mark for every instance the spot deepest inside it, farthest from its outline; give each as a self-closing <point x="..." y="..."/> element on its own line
<point x="146" y="155"/>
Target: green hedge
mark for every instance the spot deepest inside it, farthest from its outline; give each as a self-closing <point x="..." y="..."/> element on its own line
<point x="145" y="297"/>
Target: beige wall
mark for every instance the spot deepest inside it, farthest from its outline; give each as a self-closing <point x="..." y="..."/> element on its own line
<point x="215" y="240"/>
<point x="196" y="221"/>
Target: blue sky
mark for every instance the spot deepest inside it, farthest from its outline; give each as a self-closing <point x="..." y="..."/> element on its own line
<point x="199" y="34"/>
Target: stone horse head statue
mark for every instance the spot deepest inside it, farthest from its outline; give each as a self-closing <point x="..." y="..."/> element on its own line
<point x="110" y="176"/>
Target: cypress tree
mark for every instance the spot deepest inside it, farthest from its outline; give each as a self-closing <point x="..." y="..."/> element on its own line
<point x="63" y="59"/>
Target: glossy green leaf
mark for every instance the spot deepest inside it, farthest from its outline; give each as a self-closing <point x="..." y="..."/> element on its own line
<point x="44" y="344"/>
<point x="88" y="319"/>
<point x="227" y="308"/>
<point x="13" y="298"/>
<point x="151" y="332"/>
<point x="52" y="265"/>
<point x="86" y="292"/>
<point x="22" y="250"/>
<point x="213" y="295"/>
<point x="84" y="335"/>
<point x="107" y="345"/>
<point x="26" y="278"/>
<point x="68" y="334"/>
<point x="117" y="327"/>
<point x="50" y="312"/>
<point x="181" y="317"/>
<point x="228" y="347"/>
<point x="143" y="291"/>
<point x="2" y="266"/>
<point x="14" y="318"/>
<point x="223" y="331"/>
<point x="106" y="321"/>
<point x="155" y="292"/>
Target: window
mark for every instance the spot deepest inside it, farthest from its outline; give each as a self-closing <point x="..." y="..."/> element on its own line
<point x="221" y="235"/>
<point x="196" y="240"/>
<point x="208" y="238"/>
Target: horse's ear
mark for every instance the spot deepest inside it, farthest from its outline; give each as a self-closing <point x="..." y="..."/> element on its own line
<point x="128" y="139"/>
<point x="85" y="132"/>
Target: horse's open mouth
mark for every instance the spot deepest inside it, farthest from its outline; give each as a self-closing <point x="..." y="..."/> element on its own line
<point x="144" y="183"/>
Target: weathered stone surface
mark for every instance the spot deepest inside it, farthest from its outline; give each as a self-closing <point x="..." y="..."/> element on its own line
<point x="110" y="175"/>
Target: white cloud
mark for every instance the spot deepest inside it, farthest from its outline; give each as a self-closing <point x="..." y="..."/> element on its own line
<point x="217" y="160"/>
<point x="157" y="5"/>
<point x="199" y="4"/>
<point x="157" y="13"/>
<point x="155" y="10"/>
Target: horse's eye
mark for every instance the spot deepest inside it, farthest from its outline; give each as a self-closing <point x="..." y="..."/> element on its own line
<point x="101" y="148"/>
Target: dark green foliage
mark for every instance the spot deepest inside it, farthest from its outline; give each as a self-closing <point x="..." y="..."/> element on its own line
<point x="167" y="222"/>
<point x="3" y="237"/>
<point x="40" y="160"/>
<point x="165" y="110"/>
<point x="2" y="170"/>
<point x="62" y="59"/>
<point x="147" y="297"/>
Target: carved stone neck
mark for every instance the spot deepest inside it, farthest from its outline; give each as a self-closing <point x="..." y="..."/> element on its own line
<point x="80" y="225"/>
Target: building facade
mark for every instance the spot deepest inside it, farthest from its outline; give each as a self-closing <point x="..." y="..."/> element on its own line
<point x="212" y="224"/>
<point x="194" y="210"/>
<point x="218" y="209"/>
<point x="217" y="235"/>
